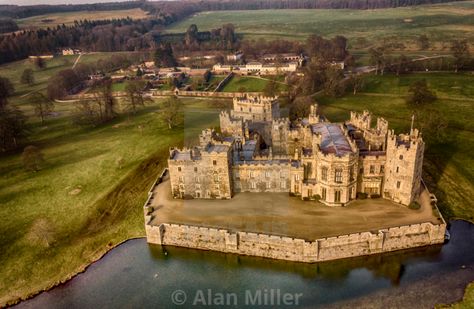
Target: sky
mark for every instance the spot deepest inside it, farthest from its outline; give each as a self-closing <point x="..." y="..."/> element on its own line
<point x="52" y="2"/>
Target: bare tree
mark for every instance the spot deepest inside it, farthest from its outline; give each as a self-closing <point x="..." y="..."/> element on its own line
<point x="135" y="95"/>
<point x="171" y="112"/>
<point x="42" y="104"/>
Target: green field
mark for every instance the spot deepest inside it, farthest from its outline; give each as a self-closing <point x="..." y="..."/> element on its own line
<point x="441" y="23"/>
<point x="14" y="70"/>
<point x="68" y="18"/>
<point x="90" y="192"/>
<point x="449" y="167"/>
<point x="249" y="83"/>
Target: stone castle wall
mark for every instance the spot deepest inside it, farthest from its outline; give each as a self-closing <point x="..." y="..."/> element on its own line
<point x="294" y="249"/>
<point x="288" y="248"/>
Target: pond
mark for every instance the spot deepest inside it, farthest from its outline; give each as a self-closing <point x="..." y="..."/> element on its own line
<point x="136" y="274"/>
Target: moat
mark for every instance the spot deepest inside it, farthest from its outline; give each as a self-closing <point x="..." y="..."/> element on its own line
<point x="137" y="274"/>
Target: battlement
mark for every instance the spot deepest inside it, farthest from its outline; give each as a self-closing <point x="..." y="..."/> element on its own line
<point x="255" y="100"/>
<point x="405" y="140"/>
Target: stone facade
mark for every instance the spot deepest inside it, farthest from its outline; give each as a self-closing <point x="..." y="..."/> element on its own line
<point x="294" y="249"/>
<point x="258" y="151"/>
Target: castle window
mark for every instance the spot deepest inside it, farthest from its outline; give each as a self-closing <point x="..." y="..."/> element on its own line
<point x="253" y="185"/>
<point x="283" y="185"/>
<point x="372" y="169"/>
<point x="398" y="184"/>
<point x="267" y="174"/>
<point x="179" y="168"/>
<point x="195" y="169"/>
<point x="324" y="174"/>
<point x="241" y="109"/>
<point x="216" y="178"/>
<point x="297" y="177"/>
<point x="352" y="173"/>
<point x="252" y="174"/>
<point x="181" y="178"/>
<point x="398" y="169"/>
<point x="338" y="175"/>
<point x="401" y="157"/>
<point x="217" y="187"/>
<point x="323" y="194"/>
<point x="337" y="196"/>
<point x="382" y="168"/>
<point x="214" y="162"/>
<point x="196" y="179"/>
<point x="269" y="185"/>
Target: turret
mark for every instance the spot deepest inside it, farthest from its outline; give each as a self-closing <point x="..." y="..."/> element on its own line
<point x="402" y="179"/>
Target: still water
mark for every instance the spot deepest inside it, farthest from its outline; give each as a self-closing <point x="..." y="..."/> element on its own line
<point x="138" y="275"/>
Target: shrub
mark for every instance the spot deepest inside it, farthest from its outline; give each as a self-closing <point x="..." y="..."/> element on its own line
<point x="317" y="197"/>
<point x="414" y="205"/>
<point x="361" y="195"/>
<point x="375" y="196"/>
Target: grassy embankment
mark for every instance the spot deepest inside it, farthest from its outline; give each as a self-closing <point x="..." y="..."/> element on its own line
<point x="90" y="190"/>
<point x="449" y="166"/>
<point x="250" y="84"/>
<point x="68" y="18"/>
<point x="441" y="23"/>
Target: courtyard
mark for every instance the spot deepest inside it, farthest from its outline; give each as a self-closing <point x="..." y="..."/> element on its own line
<point x="283" y="215"/>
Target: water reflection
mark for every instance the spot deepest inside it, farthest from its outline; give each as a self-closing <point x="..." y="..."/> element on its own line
<point x="140" y="275"/>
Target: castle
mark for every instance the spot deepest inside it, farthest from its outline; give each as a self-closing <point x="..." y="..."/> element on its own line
<point x="258" y="151"/>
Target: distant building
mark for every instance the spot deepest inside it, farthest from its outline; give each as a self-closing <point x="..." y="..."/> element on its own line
<point x="235" y="56"/>
<point x="70" y="51"/>
<point x="314" y="159"/>
<point x="256" y="68"/>
<point x="46" y="56"/>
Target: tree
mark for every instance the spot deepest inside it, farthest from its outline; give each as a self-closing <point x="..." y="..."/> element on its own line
<point x="424" y="42"/>
<point x="171" y="112"/>
<point x="86" y="113"/>
<point x="6" y="90"/>
<point x="419" y="94"/>
<point x="356" y="82"/>
<point x="378" y="58"/>
<point x="271" y="88"/>
<point x="300" y="107"/>
<point x="27" y="77"/>
<point x="164" y="56"/>
<point x="191" y="36"/>
<point x="32" y="158"/>
<point x="104" y="102"/>
<point x="40" y="63"/>
<point x="42" y="104"/>
<point x="333" y="85"/>
<point x="135" y="95"/>
<point x="12" y="120"/>
<point x="433" y="124"/>
<point x="460" y="50"/>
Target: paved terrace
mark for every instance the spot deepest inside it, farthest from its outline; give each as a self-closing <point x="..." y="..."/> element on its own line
<point x="280" y="214"/>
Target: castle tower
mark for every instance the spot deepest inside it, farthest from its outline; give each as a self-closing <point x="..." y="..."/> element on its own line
<point x="402" y="179"/>
<point x="313" y="117"/>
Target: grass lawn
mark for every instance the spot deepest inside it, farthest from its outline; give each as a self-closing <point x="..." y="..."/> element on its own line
<point x="448" y="167"/>
<point x="68" y="18"/>
<point x="441" y="23"/>
<point x="249" y="83"/>
<point x="90" y="192"/>
<point x="14" y="70"/>
<point x="119" y="86"/>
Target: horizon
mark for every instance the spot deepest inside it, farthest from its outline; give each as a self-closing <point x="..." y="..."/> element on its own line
<point x="54" y="2"/>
